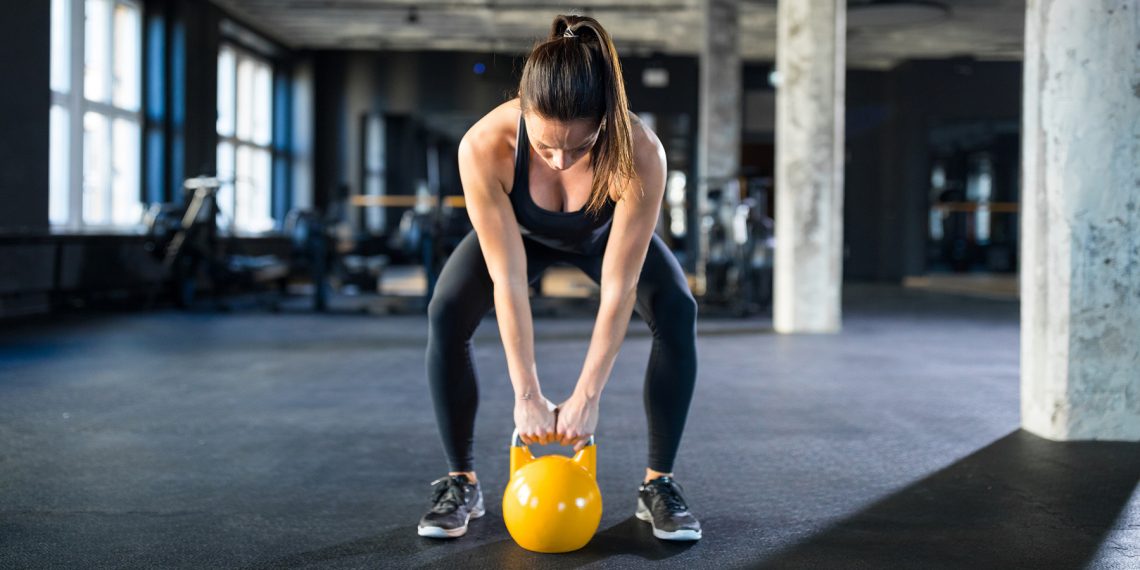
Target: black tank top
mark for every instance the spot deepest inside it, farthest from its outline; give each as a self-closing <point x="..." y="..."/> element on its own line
<point x="576" y="232"/>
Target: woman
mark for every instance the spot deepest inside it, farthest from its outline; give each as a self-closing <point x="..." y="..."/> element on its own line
<point x="563" y="173"/>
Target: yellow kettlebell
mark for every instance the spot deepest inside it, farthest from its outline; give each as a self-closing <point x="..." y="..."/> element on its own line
<point x="552" y="504"/>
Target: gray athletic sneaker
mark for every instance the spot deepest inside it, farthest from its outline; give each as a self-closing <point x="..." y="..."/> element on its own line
<point x="455" y="500"/>
<point x="660" y="503"/>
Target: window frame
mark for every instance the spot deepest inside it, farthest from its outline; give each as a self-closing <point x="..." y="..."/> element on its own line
<point x="242" y="52"/>
<point x="76" y="104"/>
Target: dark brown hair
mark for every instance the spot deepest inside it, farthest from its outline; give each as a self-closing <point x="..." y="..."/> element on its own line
<point x="577" y="75"/>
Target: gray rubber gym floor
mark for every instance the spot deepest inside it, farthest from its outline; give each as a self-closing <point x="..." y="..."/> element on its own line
<point x="261" y="440"/>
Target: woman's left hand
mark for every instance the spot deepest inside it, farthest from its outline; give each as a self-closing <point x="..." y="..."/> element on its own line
<point x="576" y="419"/>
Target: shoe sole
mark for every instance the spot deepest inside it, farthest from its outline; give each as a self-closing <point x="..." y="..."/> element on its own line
<point x="439" y="532"/>
<point x="683" y="534"/>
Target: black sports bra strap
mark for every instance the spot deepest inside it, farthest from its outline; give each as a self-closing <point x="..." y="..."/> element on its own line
<point x="522" y="154"/>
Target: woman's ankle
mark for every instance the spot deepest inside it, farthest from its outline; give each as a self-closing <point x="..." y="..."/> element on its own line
<point x="470" y="475"/>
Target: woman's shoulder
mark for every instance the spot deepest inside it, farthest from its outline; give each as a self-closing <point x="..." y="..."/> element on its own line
<point x="648" y="152"/>
<point x="648" y="155"/>
<point x="642" y="136"/>
<point x="492" y="139"/>
<point x="487" y="149"/>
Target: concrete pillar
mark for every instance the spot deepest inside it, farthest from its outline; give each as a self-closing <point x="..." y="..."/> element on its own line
<point x="718" y="147"/>
<point x="1080" y="252"/>
<point x="811" y="61"/>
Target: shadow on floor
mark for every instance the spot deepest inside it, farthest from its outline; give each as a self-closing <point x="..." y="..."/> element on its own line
<point x="629" y="537"/>
<point x="1021" y="502"/>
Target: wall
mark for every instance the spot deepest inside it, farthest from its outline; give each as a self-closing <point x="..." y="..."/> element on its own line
<point x="25" y="36"/>
<point x="868" y="158"/>
<point x="889" y="116"/>
<point x="922" y="94"/>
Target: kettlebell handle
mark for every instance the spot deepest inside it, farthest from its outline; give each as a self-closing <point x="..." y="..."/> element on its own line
<point x="517" y="442"/>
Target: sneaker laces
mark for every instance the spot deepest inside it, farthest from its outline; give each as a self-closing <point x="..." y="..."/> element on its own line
<point x="446" y="491"/>
<point x="669" y="491"/>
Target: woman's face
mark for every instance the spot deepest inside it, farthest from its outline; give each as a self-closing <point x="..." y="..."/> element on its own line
<point x="561" y="144"/>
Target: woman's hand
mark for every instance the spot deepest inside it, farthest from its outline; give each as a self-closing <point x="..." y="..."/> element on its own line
<point x="534" y="418"/>
<point x="577" y="418"/>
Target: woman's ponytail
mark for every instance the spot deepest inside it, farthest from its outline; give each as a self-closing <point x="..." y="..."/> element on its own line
<point x="576" y="74"/>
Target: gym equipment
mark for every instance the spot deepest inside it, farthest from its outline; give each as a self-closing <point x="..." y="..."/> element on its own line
<point x="309" y="237"/>
<point x="741" y="247"/>
<point x="431" y="237"/>
<point x="552" y="504"/>
<point x="186" y="241"/>
<point x="428" y="231"/>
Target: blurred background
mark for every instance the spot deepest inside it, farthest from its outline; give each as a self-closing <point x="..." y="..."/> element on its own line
<point x="348" y="113"/>
<point x="910" y="227"/>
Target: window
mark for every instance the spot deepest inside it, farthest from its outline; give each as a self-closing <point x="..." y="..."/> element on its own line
<point x="374" y="171"/>
<point x="979" y="189"/>
<point x="96" y="65"/>
<point x="245" y="135"/>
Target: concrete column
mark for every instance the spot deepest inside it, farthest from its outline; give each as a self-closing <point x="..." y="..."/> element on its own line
<point x="811" y="61"/>
<point x="718" y="147"/>
<point x="1080" y="253"/>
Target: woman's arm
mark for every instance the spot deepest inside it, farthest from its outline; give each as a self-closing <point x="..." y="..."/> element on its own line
<point x="635" y="218"/>
<point x="501" y="242"/>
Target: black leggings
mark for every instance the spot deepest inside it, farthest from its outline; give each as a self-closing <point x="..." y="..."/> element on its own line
<point x="464" y="295"/>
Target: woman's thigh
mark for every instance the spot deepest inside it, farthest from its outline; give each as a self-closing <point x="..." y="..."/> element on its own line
<point x="465" y="291"/>
<point x="661" y="283"/>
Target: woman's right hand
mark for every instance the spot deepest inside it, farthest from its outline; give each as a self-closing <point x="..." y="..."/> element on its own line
<point x="534" y="418"/>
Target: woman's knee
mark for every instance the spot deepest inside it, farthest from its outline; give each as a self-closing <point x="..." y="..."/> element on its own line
<point x="675" y="318"/>
<point x="448" y="316"/>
